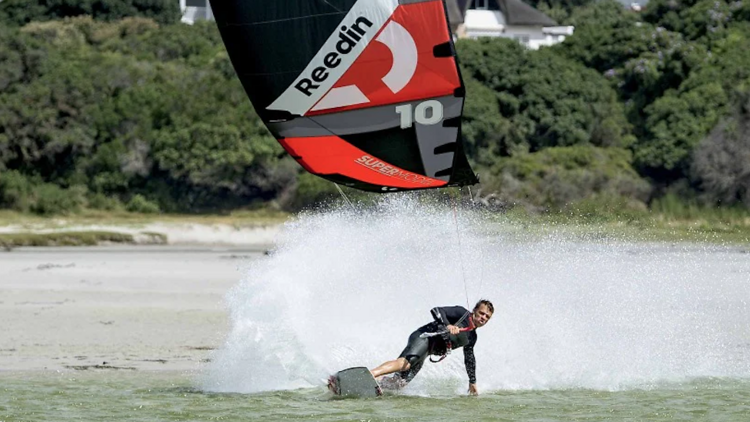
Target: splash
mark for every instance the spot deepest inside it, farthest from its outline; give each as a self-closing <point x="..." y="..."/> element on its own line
<point x="345" y="288"/>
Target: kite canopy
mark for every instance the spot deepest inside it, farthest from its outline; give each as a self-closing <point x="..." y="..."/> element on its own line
<point x="365" y="93"/>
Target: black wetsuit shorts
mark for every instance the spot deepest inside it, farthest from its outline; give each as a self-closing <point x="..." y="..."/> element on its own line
<point x="417" y="349"/>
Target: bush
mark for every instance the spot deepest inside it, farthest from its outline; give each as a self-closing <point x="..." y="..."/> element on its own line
<point x="138" y="203"/>
<point x="557" y="177"/>
<point x="99" y="201"/>
<point x="539" y="99"/>
<point x="721" y="161"/>
<point x="15" y="191"/>
<point x="51" y="199"/>
<point x="312" y="190"/>
<point x="21" y="12"/>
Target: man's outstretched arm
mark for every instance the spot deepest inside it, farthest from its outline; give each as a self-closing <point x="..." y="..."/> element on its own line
<point x="471" y="369"/>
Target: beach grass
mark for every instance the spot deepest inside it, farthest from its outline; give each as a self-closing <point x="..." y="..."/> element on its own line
<point x="238" y="219"/>
<point x="666" y="222"/>
<point x="720" y="226"/>
<point x="80" y="238"/>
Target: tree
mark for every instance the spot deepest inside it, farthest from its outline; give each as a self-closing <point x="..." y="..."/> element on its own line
<point x="546" y="99"/>
<point x="721" y="161"/>
<point x="21" y="12"/>
<point x="677" y="121"/>
<point x="641" y="60"/>
<point x="559" y="10"/>
<point x="129" y="107"/>
<point x="557" y="177"/>
<point x="675" y="124"/>
<point x="695" y="20"/>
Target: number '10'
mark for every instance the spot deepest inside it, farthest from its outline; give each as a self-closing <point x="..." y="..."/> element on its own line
<point x="429" y="112"/>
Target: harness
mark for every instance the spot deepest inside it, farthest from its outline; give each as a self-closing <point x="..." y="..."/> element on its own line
<point x="446" y="335"/>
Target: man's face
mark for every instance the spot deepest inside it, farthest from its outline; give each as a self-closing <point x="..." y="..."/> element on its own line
<point x="481" y="315"/>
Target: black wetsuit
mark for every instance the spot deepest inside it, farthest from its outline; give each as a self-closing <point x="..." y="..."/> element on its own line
<point x="417" y="349"/>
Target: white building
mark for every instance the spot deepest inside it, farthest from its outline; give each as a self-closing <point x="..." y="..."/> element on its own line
<point x="195" y="10"/>
<point x="469" y="19"/>
<point x="505" y="18"/>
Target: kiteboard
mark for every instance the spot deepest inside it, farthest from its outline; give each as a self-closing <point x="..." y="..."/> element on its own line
<point x="354" y="382"/>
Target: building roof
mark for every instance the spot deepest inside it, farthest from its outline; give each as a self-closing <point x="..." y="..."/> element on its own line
<point x="455" y="11"/>
<point x="516" y="12"/>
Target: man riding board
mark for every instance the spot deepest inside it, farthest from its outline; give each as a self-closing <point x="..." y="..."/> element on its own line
<point x="454" y="327"/>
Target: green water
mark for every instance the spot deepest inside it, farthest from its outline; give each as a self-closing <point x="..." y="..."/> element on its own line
<point x="169" y="396"/>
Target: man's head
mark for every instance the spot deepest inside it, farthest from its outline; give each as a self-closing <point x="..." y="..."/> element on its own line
<point x="482" y="312"/>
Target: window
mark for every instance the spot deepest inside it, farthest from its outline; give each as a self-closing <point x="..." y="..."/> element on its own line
<point x="484" y="5"/>
<point x="481" y="4"/>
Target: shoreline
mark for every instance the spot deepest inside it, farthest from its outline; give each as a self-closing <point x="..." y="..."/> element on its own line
<point x="262" y="232"/>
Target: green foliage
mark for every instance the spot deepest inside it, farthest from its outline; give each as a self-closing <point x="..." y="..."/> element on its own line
<point x="605" y="13"/>
<point x="313" y="191"/>
<point x="131" y="106"/>
<point x="138" y="203"/>
<point x="29" y="194"/>
<point x="100" y="111"/>
<point x="556" y="12"/>
<point x="50" y="199"/>
<point x="557" y="177"/>
<point x="12" y="69"/>
<point x="543" y="99"/>
<point x="730" y="63"/>
<point x="485" y="129"/>
<point x="642" y="61"/>
<point x="606" y="207"/>
<point x="99" y="201"/>
<point x="703" y="20"/>
<point x="15" y="191"/>
<point x="21" y="12"/>
<point x="606" y="36"/>
<point x="203" y="154"/>
<point x="721" y="161"/>
<point x="676" y="123"/>
<point x="673" y="207"/>
<point x="559" y="10"/>
<point x="91" y="238"/>
<point x="676" y="72"/>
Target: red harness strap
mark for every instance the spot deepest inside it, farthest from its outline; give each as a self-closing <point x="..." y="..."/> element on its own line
<point x="449" y="346"/>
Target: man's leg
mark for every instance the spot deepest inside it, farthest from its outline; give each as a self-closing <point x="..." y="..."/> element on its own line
<point x="398" y="365"/>
<point x="416" y="349"/>
<point x="409" y="374"/>
<point x="399" y="380"/>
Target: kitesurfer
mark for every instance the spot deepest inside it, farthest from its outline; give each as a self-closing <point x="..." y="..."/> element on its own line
<point x="454" y="327"/>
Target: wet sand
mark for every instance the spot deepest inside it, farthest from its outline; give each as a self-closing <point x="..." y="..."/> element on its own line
<point x="116" y="307"/>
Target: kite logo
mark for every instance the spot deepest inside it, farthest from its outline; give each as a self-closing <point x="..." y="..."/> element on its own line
<point x="405" y="58"/>
<point x="366" y="21"/>
<point x="348" y="39"/>
<point x="391" y="171"/>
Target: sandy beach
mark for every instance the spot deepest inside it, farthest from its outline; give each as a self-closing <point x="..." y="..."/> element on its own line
<point x="177" y="234"/>
<point x="122" y="307"/>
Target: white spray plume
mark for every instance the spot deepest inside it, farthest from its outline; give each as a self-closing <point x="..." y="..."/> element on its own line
<point x="345" y="288"/>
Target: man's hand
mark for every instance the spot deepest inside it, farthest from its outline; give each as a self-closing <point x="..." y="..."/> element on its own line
<point x="473" y="390"/>
<point x="453" y="330"/>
